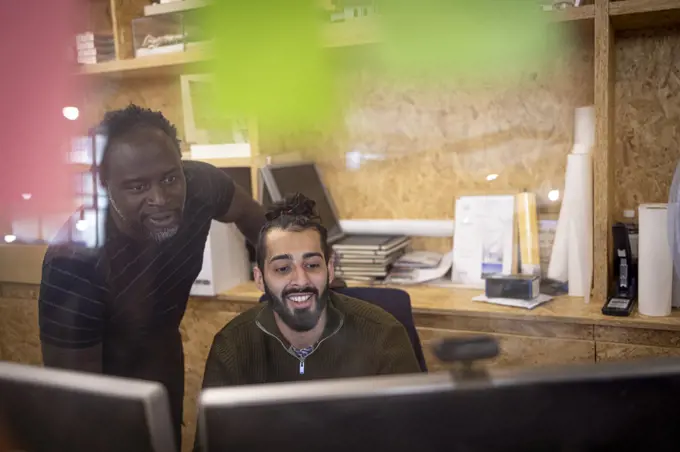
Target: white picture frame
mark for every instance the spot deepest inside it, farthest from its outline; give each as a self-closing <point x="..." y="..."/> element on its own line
<point x="193" y="134"/>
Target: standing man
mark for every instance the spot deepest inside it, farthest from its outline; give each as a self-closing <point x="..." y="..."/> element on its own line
<point x="117" y="309"/>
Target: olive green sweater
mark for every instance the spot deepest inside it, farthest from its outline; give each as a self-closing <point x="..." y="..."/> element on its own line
<point x="359" y="339"/>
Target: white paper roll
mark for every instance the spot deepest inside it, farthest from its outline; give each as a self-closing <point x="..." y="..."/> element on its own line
<point x="580" y="258"/>
<point x="559" y="257"/>
<point x="655" y="266"/>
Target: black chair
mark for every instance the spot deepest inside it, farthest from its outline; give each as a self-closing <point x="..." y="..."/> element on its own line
<point x="395" y="301"/>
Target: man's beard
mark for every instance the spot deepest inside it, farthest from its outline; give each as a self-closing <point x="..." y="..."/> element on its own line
<point x="299" y="320"/>
<point x="163" y="234"/>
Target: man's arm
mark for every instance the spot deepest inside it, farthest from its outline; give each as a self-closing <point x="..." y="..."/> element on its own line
<point x="230" y="203"/>
<point x="71" y="313"/>
<point x="397" y="355"/>
<point x="246" y="213"/>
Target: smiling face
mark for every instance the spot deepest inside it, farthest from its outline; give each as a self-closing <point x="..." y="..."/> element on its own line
<point x="146" y="185"/>
<point x="295" y="277"/>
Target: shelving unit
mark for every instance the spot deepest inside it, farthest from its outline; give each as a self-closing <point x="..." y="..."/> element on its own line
<point x="360" y="31"/>
<point x="171" y="64"/>
<point x="602" y="20"/>
<point x="631" y="14"/>
<point x="585" y="13"/>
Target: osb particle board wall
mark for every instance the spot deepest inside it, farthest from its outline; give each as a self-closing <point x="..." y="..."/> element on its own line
<point x="421" y="144"/>
<point x="647" y="118"/>
<point x="425" y="144"/>
<point x="159" y="93"/>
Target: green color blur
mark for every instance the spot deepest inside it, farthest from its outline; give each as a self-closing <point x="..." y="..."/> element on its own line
<point x="269" y="61"/>
<point x="465" y="37"/>
<point x="271" y="64"/>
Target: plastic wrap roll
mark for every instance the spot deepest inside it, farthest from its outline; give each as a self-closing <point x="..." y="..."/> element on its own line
<point x="584" y="127"/>
<point x="528" y="234"/>
<point x="655" y="266"/>
<point x="580" y="242"/>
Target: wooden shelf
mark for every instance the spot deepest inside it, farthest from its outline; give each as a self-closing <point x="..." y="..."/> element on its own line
<point x="631" y="14"/>
<point x="157" y="9"/>
<point x="585" y="12"/>
<point x="355" y="32"/>
<point x="150" y="66"/>
<point x="359" y="31"/>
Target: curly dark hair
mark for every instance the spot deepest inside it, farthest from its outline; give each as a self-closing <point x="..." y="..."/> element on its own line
<point x="119" y="124"/>
<point x="295" y="212"/>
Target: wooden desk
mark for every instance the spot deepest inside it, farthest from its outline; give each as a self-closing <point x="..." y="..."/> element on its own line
<point x="565" y="330"/>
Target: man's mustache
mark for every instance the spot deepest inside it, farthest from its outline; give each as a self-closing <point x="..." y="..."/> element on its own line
<point x="308" y="289"/>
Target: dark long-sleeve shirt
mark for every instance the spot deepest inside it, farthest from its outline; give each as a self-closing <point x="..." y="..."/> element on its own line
<point x="359" y="339"/>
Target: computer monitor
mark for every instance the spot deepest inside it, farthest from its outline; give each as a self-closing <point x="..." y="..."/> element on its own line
<point x="264" y="196"/>
<point x="605" y="407"/>
<point x="49" y="410"/>
<point x="306" y="179"/>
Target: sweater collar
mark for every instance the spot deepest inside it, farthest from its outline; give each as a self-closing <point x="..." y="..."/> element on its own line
<point x="334" y="321"/>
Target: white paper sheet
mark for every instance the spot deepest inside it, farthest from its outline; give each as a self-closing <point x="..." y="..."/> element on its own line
<point x="526" y="304"/>
<point x="484" y="238"/>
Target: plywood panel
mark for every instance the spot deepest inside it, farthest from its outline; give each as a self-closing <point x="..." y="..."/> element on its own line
<point x="516" y="351"/>
<point x="19" y="338"/>
<point x="608" y="351"/>
<point x="639" y="336"/>
<point x="407" y="149"/>
<point x="647" y="116"/>
<point x="159" y="94"/>
<point x="505" y="326"/>
<point x="603" y="166"/>
<point x="123" y="13"/>
<point x="200" y="324"/>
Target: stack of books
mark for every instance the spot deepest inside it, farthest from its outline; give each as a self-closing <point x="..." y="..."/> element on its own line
<point x="368" y="259"/>
<point x="93" y="48"/>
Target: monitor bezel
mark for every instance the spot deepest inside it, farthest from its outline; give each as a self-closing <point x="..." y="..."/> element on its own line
<point x="334" y="235"/>
<point x="152" y="395"/>
<point x="361" y="387"/>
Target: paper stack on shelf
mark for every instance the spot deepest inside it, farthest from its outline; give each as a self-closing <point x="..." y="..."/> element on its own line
<point x="420" y="266"/>
<point x="368" y="262"/>
<point x="93" y="48"/>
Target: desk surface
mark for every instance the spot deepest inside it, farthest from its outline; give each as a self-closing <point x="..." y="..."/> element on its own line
<point x="451" y="301"/>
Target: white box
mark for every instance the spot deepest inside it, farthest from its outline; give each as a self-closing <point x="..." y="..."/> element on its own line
<point x="225" y="261"/>
<point x="220" y="151"/>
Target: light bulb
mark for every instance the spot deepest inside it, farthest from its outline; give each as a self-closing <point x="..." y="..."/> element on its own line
<point x="71" y="113"/>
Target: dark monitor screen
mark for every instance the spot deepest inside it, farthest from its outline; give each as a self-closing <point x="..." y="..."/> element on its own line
<point x="580" y="409"/>
<point x="47" y="410"/>
<point x="265" y="195"/>
<point x="304" y="178"/>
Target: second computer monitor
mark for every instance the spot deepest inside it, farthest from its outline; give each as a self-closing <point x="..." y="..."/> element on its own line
<point x="605" y="407"/>
<point x="304" y="178"/>
<point x="48" y="410"/>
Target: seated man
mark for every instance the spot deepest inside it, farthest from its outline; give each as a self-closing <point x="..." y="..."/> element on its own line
<point x="304" y="331"/>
